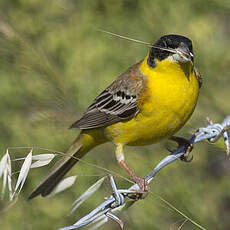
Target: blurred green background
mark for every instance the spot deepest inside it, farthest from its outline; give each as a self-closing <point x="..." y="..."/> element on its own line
<point x="53" y="62"/>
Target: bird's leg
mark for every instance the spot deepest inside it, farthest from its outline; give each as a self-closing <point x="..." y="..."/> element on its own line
<point x="188" y="146"/>
<point x="141" y="182"/>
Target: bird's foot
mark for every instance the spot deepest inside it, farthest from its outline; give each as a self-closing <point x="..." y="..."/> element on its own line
<point x="141" y="182"/>
<point x="188" y="147"/>
<point x="143" y="185"/>
<point x="140" y="193"/>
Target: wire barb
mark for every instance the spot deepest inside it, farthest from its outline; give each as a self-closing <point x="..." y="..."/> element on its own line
<point x="212" y="132"/>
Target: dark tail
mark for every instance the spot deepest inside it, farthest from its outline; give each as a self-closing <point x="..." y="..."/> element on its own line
<point x="84" y="142"/>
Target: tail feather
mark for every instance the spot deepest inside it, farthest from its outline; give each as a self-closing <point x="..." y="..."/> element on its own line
<point x="85" y="141"/>
<point x="55" y="175"/>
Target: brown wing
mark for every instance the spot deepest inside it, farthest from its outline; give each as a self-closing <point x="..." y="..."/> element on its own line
<point x="198" y="76"/>
<point x="116" y="103"/>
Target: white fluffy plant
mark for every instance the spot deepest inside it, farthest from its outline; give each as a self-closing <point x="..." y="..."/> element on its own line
<point x="14" y="181"/>
<point x="29" y="162"/>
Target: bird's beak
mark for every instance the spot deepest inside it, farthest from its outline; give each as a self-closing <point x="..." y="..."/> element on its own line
<point x="183" y="54"/>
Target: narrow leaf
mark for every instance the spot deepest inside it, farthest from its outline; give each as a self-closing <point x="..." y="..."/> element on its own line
<point x="38" y="164"/>
<point x="89" y="192"/>
<point x="3" y="163"/>
<point x="63" y="185"/>
<point x="40" y="157"/>
<point x="44" y="156"/>
<point x="42" y="160"/>
<point x="4" y="167"/>
<point x="9" y="177"/>
<point x="10" y="188"/>
<point x="4" y="182"/>
<point x="23" y="172"/>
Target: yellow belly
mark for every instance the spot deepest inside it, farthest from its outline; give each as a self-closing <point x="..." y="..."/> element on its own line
<point x="166" y="104"/>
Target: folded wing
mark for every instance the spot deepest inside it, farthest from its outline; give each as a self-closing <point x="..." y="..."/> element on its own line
<point x="116" y="103"/>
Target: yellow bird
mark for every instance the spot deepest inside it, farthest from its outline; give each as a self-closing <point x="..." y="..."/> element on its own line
<point x="150" y="101"/>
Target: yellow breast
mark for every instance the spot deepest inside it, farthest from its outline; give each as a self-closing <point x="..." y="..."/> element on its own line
<point x="166" y="103"/>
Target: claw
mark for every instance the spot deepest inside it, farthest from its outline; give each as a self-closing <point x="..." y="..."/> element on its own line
<point x="142" y="192"/>
<point x="186" y="159"/>
<point x="188" y="147"/>
<point x="141" y="182"/>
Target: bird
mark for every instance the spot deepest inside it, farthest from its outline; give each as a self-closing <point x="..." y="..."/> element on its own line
<point x="149" y="102"/>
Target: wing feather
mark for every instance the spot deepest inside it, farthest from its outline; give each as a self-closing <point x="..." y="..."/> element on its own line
<point x="116" y="103"/>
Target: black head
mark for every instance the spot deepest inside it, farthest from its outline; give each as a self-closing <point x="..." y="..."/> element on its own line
<point x="173" y="42"/>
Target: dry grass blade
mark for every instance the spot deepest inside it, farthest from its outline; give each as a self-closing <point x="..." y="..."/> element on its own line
<point x="63" y="185"/>
<point x="4" y="182"/>
<point x="9" y="177"/>
<point x="42" y="160"/>
<point x="126" y="38"/>
<point x="3" y="164"/>
<point x="23" y="173"/>
<point x="43" y="156"/>
<point x="5" y="171"/>
<point x="182" y="224"/>
<point x="89" y="192"/>
<point x="141" y="42"/>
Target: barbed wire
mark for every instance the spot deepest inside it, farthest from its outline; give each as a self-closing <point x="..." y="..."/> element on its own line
<point x="118" y="199"/>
